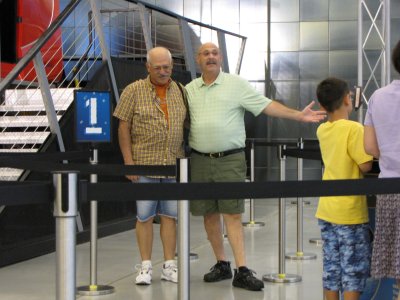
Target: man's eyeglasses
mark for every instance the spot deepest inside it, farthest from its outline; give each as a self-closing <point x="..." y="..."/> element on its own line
<point x="159" y="68"/>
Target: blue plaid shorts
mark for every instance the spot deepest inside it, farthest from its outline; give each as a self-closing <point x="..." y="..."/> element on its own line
<point x="346" y="256"/>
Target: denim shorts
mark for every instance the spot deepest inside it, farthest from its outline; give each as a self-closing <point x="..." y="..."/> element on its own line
<point x="346" y="256"/>
<point x="147" y="209"/>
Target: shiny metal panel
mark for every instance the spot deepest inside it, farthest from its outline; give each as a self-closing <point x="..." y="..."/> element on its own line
<point x="284" y="36"/>
<point x="343" y="64"/>
<point x="285" y="66"/>
<point x="314" y="10"/>
<point x="343" y="9"/>
<point x="308" y="91"/>
<point x="313" y="65"/>
<point x="314" y="36"/>
<point x="343" y="35"/>
<point x="284" y="10"/>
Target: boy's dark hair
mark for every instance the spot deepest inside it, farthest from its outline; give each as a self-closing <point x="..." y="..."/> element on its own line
<point x="330" y="93"/>
<point x="396" y="57"/>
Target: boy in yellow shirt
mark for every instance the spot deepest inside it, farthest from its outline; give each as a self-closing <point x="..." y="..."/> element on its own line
<point x="343" y="219"/>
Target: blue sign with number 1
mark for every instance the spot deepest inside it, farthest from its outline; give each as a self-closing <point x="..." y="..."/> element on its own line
<point x="92" y="116"/>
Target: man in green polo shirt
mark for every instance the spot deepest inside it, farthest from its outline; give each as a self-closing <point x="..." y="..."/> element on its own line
<point x="217" y="104"/>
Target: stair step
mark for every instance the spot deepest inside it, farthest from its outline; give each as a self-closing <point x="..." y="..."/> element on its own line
<point x="34" y="96"/>
<point x="13" y="150"/>
<point x="10" y="174"/>
<point x="32" y="107"/>
<point x="23" y="137"/>
<point x="24" y="121"/>
<point x="31" y="99"/>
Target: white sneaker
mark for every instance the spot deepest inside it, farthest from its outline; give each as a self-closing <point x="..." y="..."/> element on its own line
<point x="144" y="274"/>
<point x="169" y="272"/>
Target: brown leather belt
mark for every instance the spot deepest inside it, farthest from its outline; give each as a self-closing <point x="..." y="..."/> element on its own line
<point x="219" y="154"/>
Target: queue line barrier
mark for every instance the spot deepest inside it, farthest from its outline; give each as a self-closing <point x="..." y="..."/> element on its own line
<point x="299" y="254"/>
<point x="66" y="190"/>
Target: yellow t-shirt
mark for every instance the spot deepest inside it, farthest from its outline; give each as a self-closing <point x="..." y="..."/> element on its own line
<point x="342" y="149"/>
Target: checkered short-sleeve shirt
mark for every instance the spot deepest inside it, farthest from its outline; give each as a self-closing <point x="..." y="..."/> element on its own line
<point x="154" y="140"/>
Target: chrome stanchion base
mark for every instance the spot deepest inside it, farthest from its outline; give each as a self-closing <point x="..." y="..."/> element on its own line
<point x="300" y="256"/>
<point x="317" y="241"/>
<point x="305" y="202"/>
<point x="192" y="256"/>
<point x="253" y="224"/>
<point x="95" y="290"/>
<point x="282" y="278"/>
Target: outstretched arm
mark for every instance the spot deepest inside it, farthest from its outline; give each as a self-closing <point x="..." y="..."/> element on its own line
<point x="276" y="109"/>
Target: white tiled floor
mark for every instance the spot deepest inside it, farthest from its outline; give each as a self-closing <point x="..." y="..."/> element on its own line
<point x="117" y="256"/>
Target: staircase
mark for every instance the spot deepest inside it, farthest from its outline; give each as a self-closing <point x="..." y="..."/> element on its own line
<point x="24" y="126"/>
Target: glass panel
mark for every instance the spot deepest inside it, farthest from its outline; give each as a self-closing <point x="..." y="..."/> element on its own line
<point x="253" y="11"/>
<point x="176" y="5"/>
<point x="257" y="36"/>
<point x="285" y="65"/>
<point x="343" y="9"/>
<point x="224" y="13"/>
<point x="253" y="65"/>
<point x="314" y="10"/>
<point x="284" y="10"/>
<point x="313" y="65"/>
<point x="343" y="64"/>
<point x="284" y="36"/>
<point x="343" y="35"/>
<point x="314" y="36"/>
<point x="192" y="9"/>
<point x="205" y="11"/>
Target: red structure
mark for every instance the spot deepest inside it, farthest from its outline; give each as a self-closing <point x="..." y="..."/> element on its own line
<point x="22" y="23"/>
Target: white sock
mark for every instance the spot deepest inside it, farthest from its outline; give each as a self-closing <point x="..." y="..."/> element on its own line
<point x="146" y="263"/>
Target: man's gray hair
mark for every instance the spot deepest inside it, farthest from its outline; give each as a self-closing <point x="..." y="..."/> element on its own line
<point x="151" y="50"/>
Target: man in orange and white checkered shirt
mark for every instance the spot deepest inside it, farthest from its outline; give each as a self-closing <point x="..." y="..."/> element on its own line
<point x="151" y="115"/>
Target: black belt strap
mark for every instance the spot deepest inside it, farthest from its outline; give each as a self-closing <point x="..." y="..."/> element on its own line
<point x="219" y="154"/>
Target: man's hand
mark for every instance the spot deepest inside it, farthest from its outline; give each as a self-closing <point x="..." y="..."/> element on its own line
<point x="312" y="116"/>
<point x="133" y="178"/>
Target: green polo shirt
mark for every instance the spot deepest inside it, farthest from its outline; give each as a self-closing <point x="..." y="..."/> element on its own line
<point x="217" y="112"/>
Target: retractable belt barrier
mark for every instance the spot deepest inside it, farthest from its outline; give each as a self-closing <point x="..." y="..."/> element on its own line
<point x="117" y="191"/>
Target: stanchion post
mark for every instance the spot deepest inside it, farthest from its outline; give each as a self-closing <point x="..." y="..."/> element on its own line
<point x="65" y="213"/>
<point x="94" y="289"/>
<point x="282" y="277"/>
<point x="252" y="222"/>
<point x="183" y="236"/>
<point x="299" y="254"/>
<point x="318" y="241"/>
